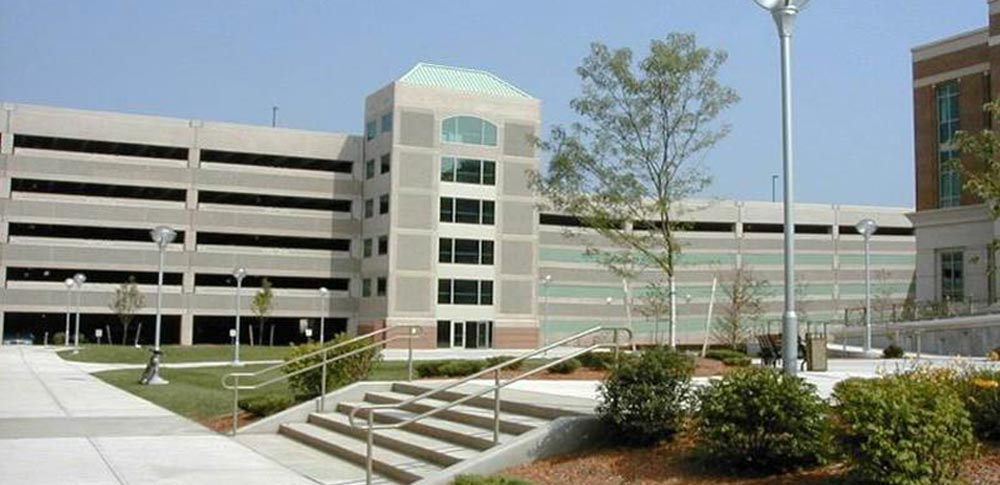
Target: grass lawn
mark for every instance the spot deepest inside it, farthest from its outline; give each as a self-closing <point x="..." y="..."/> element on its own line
<point x="124" y="354"/>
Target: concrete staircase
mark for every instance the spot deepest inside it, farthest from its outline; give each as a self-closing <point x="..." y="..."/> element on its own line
<point x="324" y="447"/>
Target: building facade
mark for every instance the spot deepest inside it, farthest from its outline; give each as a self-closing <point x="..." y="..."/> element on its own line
<point x="952" y="80"/>
<point x="426" y="218"/>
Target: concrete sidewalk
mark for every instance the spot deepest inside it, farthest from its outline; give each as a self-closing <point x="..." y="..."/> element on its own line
<point x="60" y="425"/>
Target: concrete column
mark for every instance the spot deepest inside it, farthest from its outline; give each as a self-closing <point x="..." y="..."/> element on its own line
<point x="187" y="328"/>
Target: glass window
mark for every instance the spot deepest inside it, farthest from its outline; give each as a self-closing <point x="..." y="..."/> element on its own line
<point x="370" y="130"/>
<point x="444" y="291"/>
<point x="383" y="245"/>
<point x="368" y="248"/>
<point x="369" y="208"/>
<point x="366" y="287"/>
<point x="383" y="204"/>
<point x="386" y="163"/>
<point x="952" y="276"/>
<point x="444" y="333"/>
<point x="447" y="169"/>
<point x="467" y="251"/>
<point x="949" y="178"/>
<point x="470" y="130"/>
<point x="387" y="122"/>
<point x="468" y="171"/>
<point x="489" y="172"/>
<point x="485" y="292"/>
<point x="370" y="168"/>
<point x="447" y="209"/>
<point x="488" y="212"/>
<point x="467" y="211"/>
<point x="466" y="292"/>
<point x="444" y="250"/>
<point x="383" y="286"/>
<point x="487" y="252"/>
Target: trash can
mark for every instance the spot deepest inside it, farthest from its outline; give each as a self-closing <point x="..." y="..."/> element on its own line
<point x="816" y="352"/>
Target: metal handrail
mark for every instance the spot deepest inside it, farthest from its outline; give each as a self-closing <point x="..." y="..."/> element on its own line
<point x="495" y="389"/>
<point x="414" y="331"/>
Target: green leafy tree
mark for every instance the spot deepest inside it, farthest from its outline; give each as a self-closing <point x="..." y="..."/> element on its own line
<point x="126" y="302"/>
<point x="981" y="170"/>
<point x="744" y="303"/>
<point x="636" y="153"/>
<point x="262" y="306"/>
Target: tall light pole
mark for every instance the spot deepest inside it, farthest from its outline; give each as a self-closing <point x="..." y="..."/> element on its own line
<point x="78" y="280"/>
<point x="162" y="236"/>
<point x="69" y="306"/>
<point x="238" y="273"/>
<point x="784" y="13"/>
<point x="774" y="188"/>
<point x="867" y="227"/>
<point x="546" y="281"/>
<point x="324" y="296"/>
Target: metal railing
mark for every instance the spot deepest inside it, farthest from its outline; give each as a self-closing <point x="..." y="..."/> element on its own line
<point x="412" y="332"/>
<point x="370" y="409"/>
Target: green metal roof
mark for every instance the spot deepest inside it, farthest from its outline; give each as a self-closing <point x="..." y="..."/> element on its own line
<point x="461" y="79"/>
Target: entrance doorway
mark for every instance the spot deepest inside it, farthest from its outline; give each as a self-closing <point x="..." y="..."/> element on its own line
<point x="465" y="334"/>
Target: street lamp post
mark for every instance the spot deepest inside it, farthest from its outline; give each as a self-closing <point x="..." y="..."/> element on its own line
<point x="69" y="307"/>
<point x="238" y="273"/>
<point x="867" y="227"/>
<point x="324" y="296"/>
<point x="78" y="280"/>
<point x="784" y="13"/>
<point x="162" y="236"/>
<point x="546" y="281"/>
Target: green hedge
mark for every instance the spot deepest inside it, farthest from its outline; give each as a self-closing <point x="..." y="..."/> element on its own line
<point x="449" y="368"/>
<point x="500" y="359"/>
<point x="339" y="373"/>
<point x="903" y="429"/>
<point x="266" y="404"/>
<point x="566" y="367"/>
<point x="492" y="480"/>
<point x="760" y="420"/>
<point x="980" y="392"/>
<point x="893" y="351"/>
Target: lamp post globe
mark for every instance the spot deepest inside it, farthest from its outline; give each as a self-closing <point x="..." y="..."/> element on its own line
<point x="238" y="273"/>
<point x="784" y="13"/>
<point x="867" y="227"/>
<point x="162" y="236"/>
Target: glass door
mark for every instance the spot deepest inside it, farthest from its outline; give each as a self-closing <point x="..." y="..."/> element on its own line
<point x="458" y="330"/>
<point x="485" y="335"/>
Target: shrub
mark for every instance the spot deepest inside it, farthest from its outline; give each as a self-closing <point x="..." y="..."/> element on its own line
<point x="893" y="351"/>
<point x="980" y="392"/>
<point x="565" y="367"/>
<point x="500" y="359"/>
<point x="59" y="338"/>
<point x="493" y="480"/>
<point x="339" y="373"/>
<point x="266" y="404"/>
<point x="742" y="361"/>
<point x="449" y="368"/>
<point x="597" y="360"/>
<point x="645" y="399"/>
<point x="761" y="420"/>
<point x="903" y="429"/>
<point x="993" y="355"/>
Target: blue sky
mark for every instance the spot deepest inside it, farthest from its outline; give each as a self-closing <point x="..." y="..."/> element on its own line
<point x="233" y="60"/>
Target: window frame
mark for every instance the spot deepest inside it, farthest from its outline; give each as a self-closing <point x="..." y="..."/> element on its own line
<point x="367" y="249"/>
<point x="382" y="286"/>
<point x="383" y="204"/>
<point x="369" y="168"/>
<point x="386" y="123"/>
<point x="456" y="136"/>
<point x="383" y="245"/>
<point x="385" y="163"/>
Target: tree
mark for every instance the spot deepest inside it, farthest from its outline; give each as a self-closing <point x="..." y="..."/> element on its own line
<point x="744" y="297"/>
<point x="646" y="126"/>
<point x="125" y="303"/>
<point x="654" y="303"/>
<point x="262" y="305"/>
<point x="982" y="172"/>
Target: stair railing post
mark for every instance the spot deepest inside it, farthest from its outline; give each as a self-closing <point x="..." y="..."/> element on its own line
<point x="322" y="386"/>
<point x="409" y="355"/>
<point x="496" y="407"/>
<point x="368" y="451"/>
<point x="236" y="402"/>
<point x="616" y="344"/>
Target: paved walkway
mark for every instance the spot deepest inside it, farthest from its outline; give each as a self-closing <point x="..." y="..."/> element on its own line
<point x="59" y="425"/>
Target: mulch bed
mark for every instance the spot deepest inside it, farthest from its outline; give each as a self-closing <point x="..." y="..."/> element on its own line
<point x="676" y="464"/>
<point x="224" y="424"/>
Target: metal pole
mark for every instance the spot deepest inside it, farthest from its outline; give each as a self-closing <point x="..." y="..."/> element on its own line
<point x="868" y="299"/>
<point x="69" y="311"/>
<point x="545" y="312"/>
<point x="322" y="395"/>
<point x="368" y="452"/>
<point x="236" y="403"/>
<point x="76" y="337"/>
<point x="673" y="314"/>
<point x="159" y="299"/>
<point x="496" y="407"/>
<point x="409" y="356"/>
<point x="790" y="321"/>
<point x="236" y="349"/>
<point x="774" y="188"/>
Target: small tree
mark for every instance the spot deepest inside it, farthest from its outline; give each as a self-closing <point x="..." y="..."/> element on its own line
<point x="981" y="172"/>
<point x="654" y="303"/>
<point x="744" y="297"/>
<point x="262" y="305"/>
<point x="125" y="303"/>
<point x="882" y="299"/>
<point x="646" y="127"/>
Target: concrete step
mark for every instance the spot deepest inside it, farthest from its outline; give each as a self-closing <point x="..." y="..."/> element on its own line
<point x="307" y="461"/>
<point x="417" y="445"/>
<point x="482" y="418"/>
<point x="452" y="432"/>
<point x="486" y="401"/>
<point x="396" y="466"/>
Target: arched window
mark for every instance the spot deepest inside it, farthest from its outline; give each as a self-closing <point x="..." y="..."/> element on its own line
<point x="468" y="129"/>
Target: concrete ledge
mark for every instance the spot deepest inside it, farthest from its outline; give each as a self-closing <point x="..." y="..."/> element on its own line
<point x="298" y="413"/>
